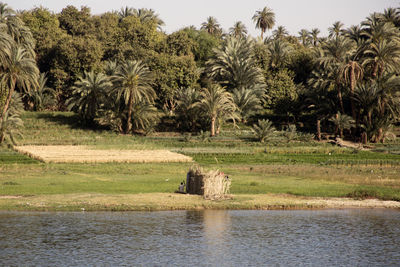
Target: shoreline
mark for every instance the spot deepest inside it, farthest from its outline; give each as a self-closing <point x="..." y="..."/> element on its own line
<point x="171" y="201"/>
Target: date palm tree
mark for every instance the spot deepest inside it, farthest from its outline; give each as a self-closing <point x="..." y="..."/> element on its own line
<point x="233" y="64"/>
<point x="211" y="26"/>
<point x="279" y="52"/>
<point x="350" y="73"/>
<point x="280" y="32"/>
<point x="314" y="36"/>
<point x="126" y="12"/>
<point x="382" y="56"/>
<point x="89" y="93"/>
<point x="304" y="37"/>
<point x="18" y="69"/>
<point x="146" y="15"/>
<point x="336" y="30"/>
<point x="188" y="107"/>
<point x="342" y="122"/>
<point x="263" y="130"/>
<point x="42" y="97"/>
<point x="354" y="33"/>
<point x="133" y="81"/>
<point x="264" y="20"/>
<point x="248" y="101"/>
<point x="238" y="30"/>
<point x="217" y="104"/>
<point x="335" y="52"/>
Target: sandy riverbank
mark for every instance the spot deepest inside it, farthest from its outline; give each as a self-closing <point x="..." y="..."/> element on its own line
<point x="167" y="201"/>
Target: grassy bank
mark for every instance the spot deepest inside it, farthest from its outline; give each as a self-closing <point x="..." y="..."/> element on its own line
<point x="257" y="171"/>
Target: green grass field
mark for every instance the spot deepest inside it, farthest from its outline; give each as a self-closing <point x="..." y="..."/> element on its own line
<point x="302" y="169"/>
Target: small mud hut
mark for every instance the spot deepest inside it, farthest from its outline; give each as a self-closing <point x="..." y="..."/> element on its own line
<point x="212" y="185"/>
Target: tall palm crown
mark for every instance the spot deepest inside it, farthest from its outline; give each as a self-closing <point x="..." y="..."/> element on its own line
<point x="381" y="56"/>
<point x="88" y="94"/>
<point x="304" y="36"/>
<point x="354" y="33"/>
<point x="211" y="26"/>
<point x="5" y="11"/>
<point x="264" y="19"/>
<point x="336" y="30"/>
<point x="314" y="36"/>
<point x="234" y="65"/>
<point x="133" y="82"/>
<point x="126" y="12"/>
<point x="279" y="52"/>
<point x="145" y="15"/>
<point x="391" y="15"/>
<point x="238" y="29"/>
<point x="280" y="32"/>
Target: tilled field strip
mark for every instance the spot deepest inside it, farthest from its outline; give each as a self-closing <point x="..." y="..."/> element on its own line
<point x="82" y="154"/>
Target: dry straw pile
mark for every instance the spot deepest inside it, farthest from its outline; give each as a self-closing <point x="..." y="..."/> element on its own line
<point x="83" y="154"/>
<point x="212" y="185"/>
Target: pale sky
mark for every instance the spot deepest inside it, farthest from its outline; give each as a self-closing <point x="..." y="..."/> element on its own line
<point x="293" y="14"/>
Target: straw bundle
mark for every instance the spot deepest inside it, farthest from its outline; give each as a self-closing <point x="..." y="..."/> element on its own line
<point x="212" y="185"/>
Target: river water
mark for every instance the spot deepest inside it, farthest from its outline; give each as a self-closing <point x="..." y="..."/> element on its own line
<point x="201" y="238"/>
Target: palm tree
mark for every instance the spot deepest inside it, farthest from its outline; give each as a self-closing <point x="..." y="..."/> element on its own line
<point x="342" y="122"/>
<point x="211" y="26"/>
<point x="146" y="15"/>
<point x="11" y="123"/>
<point x="126" y="12"/>
<point x="217" y="103"/>
<point x="354" y="33"/>
<point x="279" y="52"/>
<point x="5" y="12"/>
<point x="42" y="97"/>
<point x="263" y="130"/>
<point x="280" y="32"/>
<point x="133" y="82"/>
<point x="351" y="73"/>
<point x="238" y="30"/>
<point x="391" y="15"/>
<point x="314" y="36"/>
<point x="88" y="94"/>
<point x="187" y="107"/>
<point x="382" y="56"/>
<point x="18" y="69"/>
<point x="110" y="68"/>
<point x="335" y="52"/>
<point x="145" y="116"/>
<point x="248" y="101"/>
<point x="233" y="64"/>
<point x="304" y="37"/>
<point x="265" y="20"/>
<point x="336" y="30"/>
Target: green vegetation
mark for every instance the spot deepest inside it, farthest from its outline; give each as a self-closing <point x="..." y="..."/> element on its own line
<point x="300" y="169"/>
<point x="200" y="92"/>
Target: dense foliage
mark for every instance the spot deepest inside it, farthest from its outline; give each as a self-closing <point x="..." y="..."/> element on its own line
<point x="120" y="70"/>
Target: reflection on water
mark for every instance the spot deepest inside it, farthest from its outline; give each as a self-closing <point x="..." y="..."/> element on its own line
<point x="212" y="238"/>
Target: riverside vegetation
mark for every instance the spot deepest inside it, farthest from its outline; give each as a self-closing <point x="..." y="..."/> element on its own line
<point x="263" y="175"/>
<point x="260" y="109"/>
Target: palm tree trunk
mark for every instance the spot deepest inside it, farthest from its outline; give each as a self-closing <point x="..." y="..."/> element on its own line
<point x="212" y="131"/>
<point x="340" y="98"/>
<point x="319" y="130"/>
<point x="352" y="86"/>
<point x="364" y="138"/>
<point x="380" y="137"/>
<point x="10" y="93"/>
<point x="336" y="126"/>
<point x="129" y="118"/>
